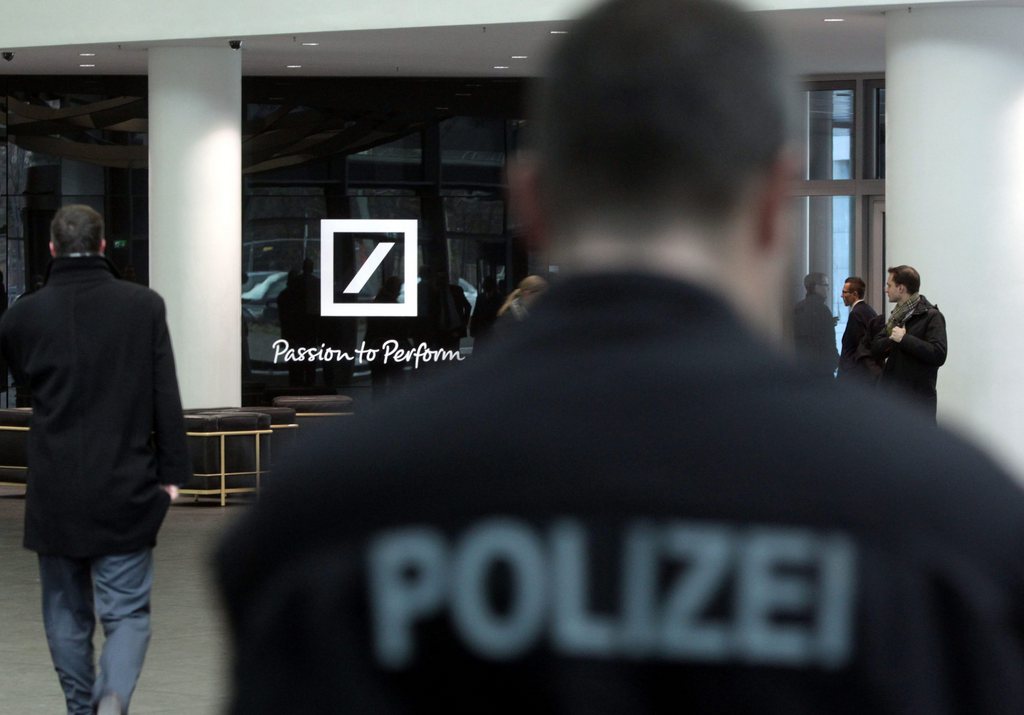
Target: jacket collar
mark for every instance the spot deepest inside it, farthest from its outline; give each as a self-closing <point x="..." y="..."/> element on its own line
<point x="63" y="270"/>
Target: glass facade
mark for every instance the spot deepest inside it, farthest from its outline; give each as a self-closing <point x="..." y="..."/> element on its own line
<point x="843" y="169"/>
<point x="64" y="142"/>
<point x="433" y="151"/>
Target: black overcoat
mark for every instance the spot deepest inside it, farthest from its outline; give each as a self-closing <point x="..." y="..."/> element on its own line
<point x="912" y="365"/>
<point x="107" y="428"/>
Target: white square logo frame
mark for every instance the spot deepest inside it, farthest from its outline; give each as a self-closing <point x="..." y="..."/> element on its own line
<point x="329" y="228"/>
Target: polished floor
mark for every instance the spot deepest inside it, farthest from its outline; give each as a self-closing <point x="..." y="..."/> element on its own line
<point x="187" y="662"/>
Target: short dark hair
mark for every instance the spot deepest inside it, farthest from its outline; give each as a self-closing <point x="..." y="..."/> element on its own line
<point x="858" y="285"/>
<point x="76" y="229"/>
<point x="906" y="276"/>
<point x="654" y="110"/>
<point x="814" y="279"/>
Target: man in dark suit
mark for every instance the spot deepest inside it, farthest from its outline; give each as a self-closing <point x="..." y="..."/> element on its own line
<point x="854" y="359"/>
<point x="106" y="455"/>
<point x="648" y="527"/>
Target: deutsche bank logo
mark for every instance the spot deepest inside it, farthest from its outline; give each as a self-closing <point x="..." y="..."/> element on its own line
<point x="392" y="241"/>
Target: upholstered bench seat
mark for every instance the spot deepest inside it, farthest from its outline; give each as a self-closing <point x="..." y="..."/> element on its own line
<point x="316" y="407"/>
<point x="229" y="449"/>
<point x="14" y="426"/>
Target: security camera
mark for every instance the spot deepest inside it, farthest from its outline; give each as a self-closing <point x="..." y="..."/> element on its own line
<point x="235" y="44"/>
<point x="7" y="55"/>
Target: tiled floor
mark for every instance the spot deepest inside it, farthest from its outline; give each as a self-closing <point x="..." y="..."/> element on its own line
<point x="186" y="665"/>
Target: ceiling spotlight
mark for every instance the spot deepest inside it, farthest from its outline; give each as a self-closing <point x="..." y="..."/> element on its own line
<point x="310" y="44"/>
<point x="501" y="67"/>
<point x="559" y="32"/>
<point x="86" y="54"/>
<point x="293" y="67"/>
<point x="86" y="65"/>
<point x="834" y="19"/>
<point x="7" y="55"/>
<point x="235" y="44"/>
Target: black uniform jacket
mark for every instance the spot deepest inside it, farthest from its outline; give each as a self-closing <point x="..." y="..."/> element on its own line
<point x="630" y="506"/>
<point x="107" y="427"/>
<point x="912" y="365"/>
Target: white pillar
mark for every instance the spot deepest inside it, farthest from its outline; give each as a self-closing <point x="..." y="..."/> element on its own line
<point x="195" y="209"/>
<point x="955" y="202"/>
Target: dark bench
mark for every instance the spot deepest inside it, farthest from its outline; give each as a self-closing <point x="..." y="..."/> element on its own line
<point x="229" y="450"/>
<point x="14" y="426"/>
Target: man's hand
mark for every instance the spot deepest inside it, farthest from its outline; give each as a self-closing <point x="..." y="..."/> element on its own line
<point x="171" y="489"/>
<point x="898" y="332"/>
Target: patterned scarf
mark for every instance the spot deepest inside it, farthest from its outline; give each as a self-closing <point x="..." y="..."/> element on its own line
<point x="900" y="312"/>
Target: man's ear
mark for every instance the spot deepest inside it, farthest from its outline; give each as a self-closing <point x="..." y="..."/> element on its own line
<point x="103" y="245"/>
<point x="53" y="250"/>
<point x="773" y="202"/>
<point x="525" y="201"/>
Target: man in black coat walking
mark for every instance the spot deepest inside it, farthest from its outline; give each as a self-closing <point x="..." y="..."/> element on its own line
<point x="912" y="342"/>
<point x="106" y="455"/>
<point x="665" y="518"/>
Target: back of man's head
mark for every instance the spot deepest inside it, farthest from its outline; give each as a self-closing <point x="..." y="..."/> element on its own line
<point x="655" y="112"/>
<point x="906" y="276"/>
<point x="76" y="229"/>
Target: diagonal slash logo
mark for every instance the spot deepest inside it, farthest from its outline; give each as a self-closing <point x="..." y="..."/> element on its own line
<point x="386" y="230"/>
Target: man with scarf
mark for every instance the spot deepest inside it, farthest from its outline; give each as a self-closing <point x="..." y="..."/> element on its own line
<point x="913" y="341"/>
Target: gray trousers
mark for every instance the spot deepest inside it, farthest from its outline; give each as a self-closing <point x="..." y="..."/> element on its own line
<point x="116" y="588"/>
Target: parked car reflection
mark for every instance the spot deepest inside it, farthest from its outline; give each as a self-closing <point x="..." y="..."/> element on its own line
<point x="259" y="295"/>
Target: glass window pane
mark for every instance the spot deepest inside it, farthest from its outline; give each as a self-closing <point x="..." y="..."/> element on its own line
<point x="397" y="161"/>
<point x="825" y="244"/>
<point x="829" y="134"/>
<point x="473" y="151"/>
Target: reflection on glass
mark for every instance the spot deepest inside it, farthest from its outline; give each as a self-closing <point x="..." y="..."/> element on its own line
<point x="825" y="244"/>
<point x="473" y="151"/>
<point x="829" y="134"/>
<point x="396" y="161"/>
<point x="880" y="132"/>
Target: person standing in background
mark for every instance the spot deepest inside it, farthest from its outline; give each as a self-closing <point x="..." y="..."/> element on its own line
<point x="853" y="364"/>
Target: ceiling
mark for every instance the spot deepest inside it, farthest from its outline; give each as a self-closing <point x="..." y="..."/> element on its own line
<point x="855" y="45"/>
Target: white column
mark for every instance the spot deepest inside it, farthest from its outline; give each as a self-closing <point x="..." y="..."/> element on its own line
<point x="955" y="202"/>
<point x="195" y="209"/>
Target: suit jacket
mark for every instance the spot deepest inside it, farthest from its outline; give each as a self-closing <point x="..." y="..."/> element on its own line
<point x="107" y="427"/>
<point x="912" y="365"/>
<point x="856" y="330"/>
<point x="630" y="506"/>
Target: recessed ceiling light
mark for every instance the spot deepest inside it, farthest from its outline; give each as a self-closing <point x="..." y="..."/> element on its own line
<point x="310" y="44"/>
<point x="519" y="57"/>
<point x="86" y="54"/>
<point x="835" y="19"/>
<point x="501" y="67"/>
<point x="559" y="32"/>
<point x="293" y="67"/>
<point x="86" y="65"/>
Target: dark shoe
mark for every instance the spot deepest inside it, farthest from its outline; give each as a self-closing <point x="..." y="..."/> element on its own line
<point x="110" y="704"/>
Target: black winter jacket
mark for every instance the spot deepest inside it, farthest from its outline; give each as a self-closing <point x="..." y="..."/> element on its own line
<point x="912" y="365"/>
